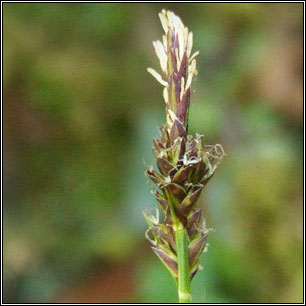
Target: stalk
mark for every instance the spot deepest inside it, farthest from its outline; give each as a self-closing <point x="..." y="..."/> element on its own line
<point x="183" y="286"/>
<point x="182" y="242"/>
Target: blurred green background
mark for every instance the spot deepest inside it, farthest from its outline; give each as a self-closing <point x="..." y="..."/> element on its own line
<point x="80" y="112"/>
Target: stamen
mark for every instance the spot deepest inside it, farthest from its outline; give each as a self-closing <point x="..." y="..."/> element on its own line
<point x="157" y="76"/>
<point x="164" y="21"/>
<point x="193" y="56"/>
<point x="161" y="53"/>
<point x="189" y="44"/>
<point x="165" y="94"/>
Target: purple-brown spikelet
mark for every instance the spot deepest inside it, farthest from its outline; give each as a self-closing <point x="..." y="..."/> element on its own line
<point x="185" y="164"/>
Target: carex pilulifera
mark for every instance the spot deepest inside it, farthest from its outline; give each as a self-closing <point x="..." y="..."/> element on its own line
<point x="185" y="163"/>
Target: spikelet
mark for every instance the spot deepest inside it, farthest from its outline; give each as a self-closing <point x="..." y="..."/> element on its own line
<point x="185" y="164"/>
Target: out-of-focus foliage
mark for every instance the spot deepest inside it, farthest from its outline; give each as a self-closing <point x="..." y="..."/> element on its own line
<point x="80" y="111"/>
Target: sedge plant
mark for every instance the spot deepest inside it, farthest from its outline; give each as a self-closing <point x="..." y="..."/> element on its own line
<point x="185" y="163"/>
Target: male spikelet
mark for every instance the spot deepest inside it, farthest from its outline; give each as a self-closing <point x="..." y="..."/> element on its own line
<point x="184" y="162"/>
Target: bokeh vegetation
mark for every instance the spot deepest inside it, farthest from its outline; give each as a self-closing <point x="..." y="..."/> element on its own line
<point x="80" y="112"/>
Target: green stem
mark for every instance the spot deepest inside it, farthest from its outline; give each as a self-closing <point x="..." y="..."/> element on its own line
<point x="181" y="238"/>
<point x="183" y="285"/>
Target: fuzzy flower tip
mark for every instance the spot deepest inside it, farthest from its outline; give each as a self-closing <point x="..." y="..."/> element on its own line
<point x="178" y="67"/>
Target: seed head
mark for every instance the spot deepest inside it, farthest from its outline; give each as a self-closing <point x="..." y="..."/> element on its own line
<point x="185" y="163"/>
